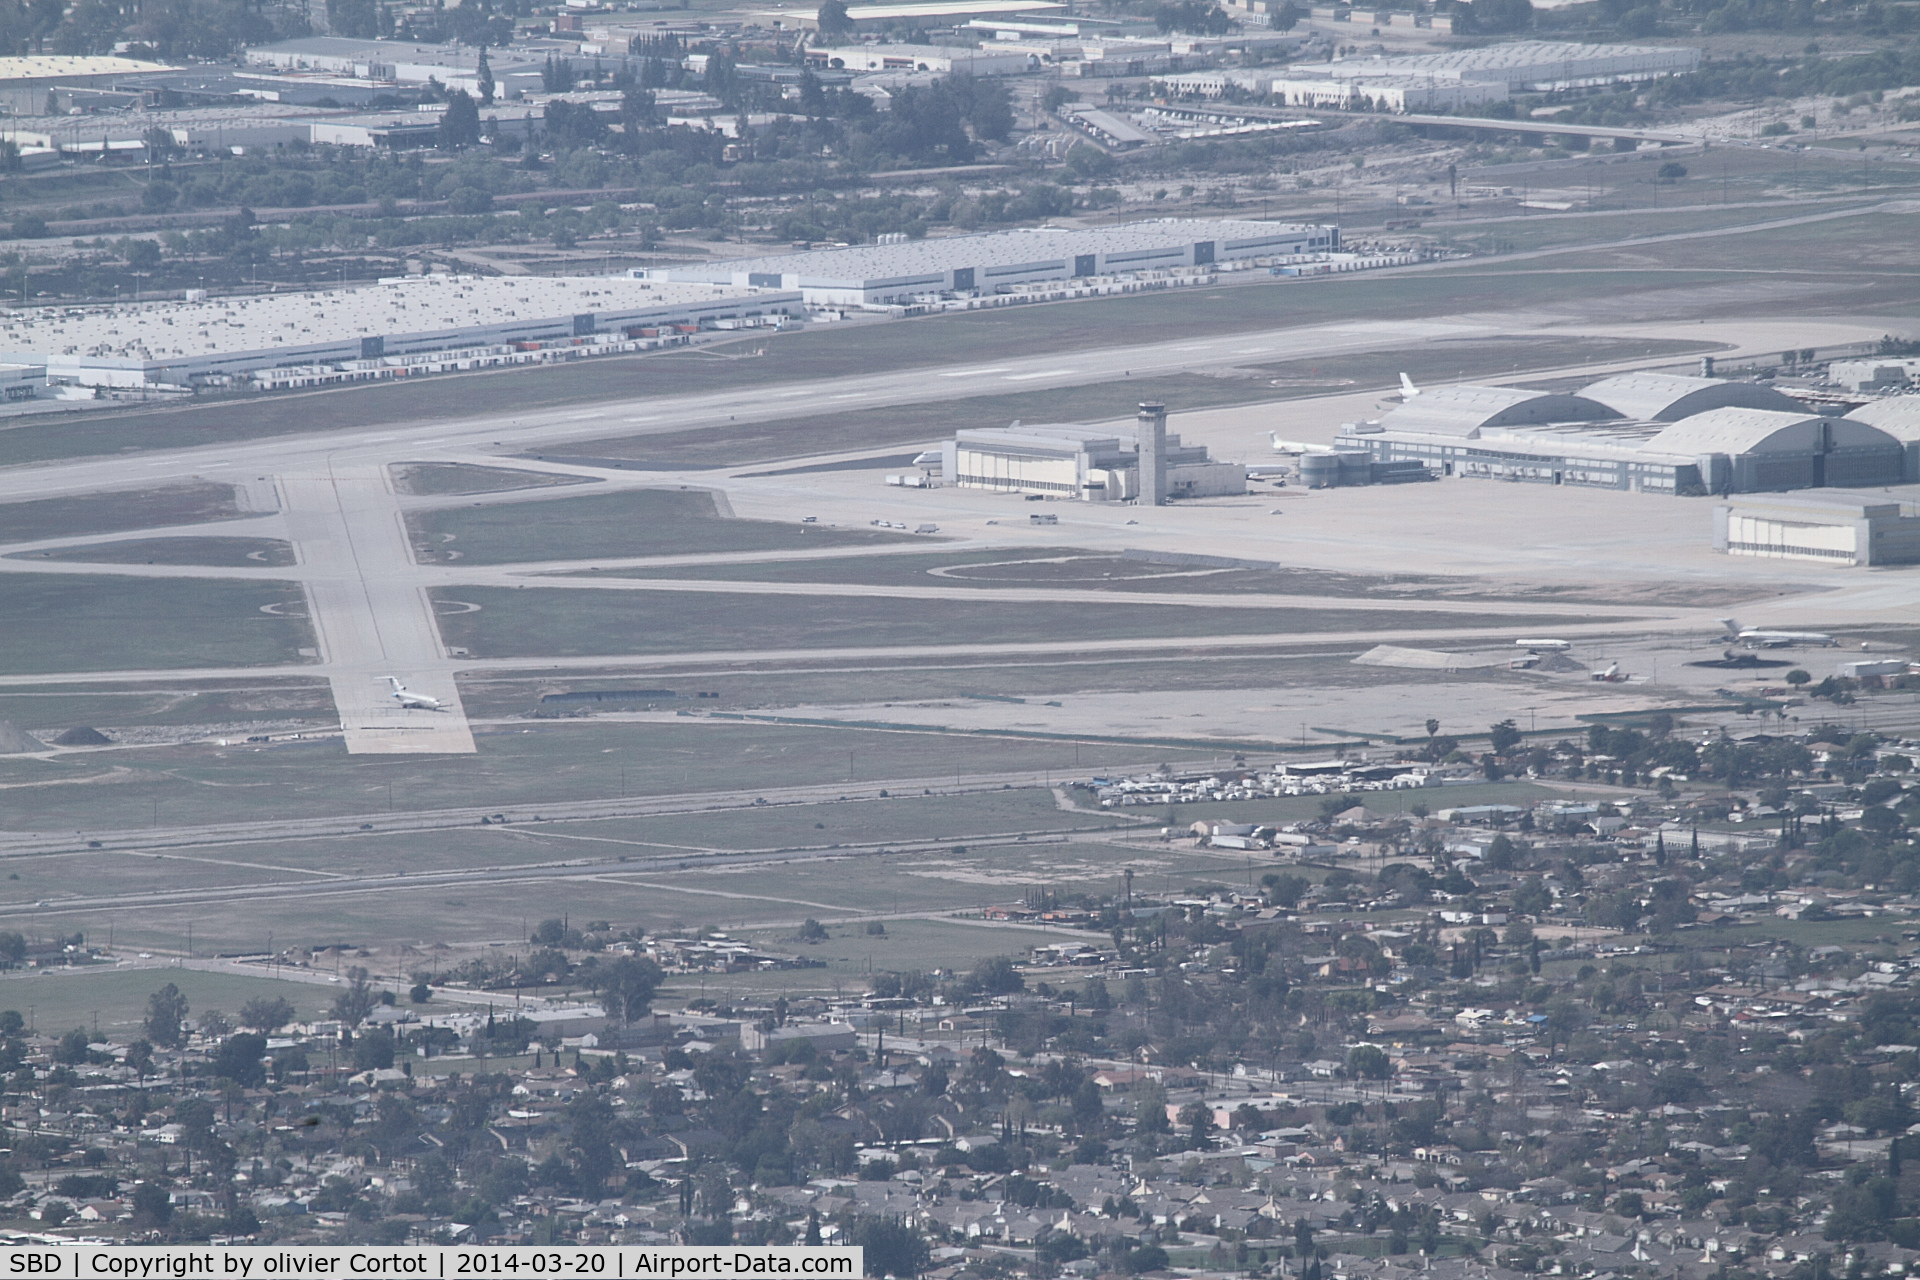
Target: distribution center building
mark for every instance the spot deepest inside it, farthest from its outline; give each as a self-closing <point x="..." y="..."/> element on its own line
<point x="883" y="274"/>
<point x="1643" y="432"/>
<point x="207" y="339"/>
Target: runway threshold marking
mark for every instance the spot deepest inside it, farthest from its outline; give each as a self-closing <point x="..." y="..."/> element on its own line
<point x="1028" y="377"/>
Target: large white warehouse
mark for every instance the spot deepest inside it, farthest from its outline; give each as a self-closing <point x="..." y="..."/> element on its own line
<point x="193" y="342"/>
<point x="1525" y="66"/>
<point x="895" y="273"/>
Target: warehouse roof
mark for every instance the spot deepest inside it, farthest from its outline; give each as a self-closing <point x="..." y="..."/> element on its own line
<point x="52" y="67"/>
<point x="1030" y="246"/>
<point x="1521" y="60"/>
<point x="1465" y="410"/>
<point x="390" y="309"/>
<point x="1898" y="416"/>
<point x="1736" y="431"/>
<point x="1665" y="397"/>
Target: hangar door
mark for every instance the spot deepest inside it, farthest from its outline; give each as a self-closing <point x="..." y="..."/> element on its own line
<point x="1751" y="535"/>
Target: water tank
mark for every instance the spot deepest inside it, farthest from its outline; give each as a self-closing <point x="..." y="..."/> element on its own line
<point x="1320" y="470"/>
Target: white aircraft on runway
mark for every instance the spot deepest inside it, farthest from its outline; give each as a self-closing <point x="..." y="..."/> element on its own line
<point x="1754" y="638"/>
<point x="1545" y="646"/>
<point x="409" y="699"/>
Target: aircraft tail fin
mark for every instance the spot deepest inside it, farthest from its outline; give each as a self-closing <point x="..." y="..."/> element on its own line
<point x="1407" y="390"/>
<point x="1731" y="624"/>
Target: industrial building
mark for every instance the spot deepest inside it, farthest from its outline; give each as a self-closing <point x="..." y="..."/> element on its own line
<point x="901" y="272"/>
<point x="1882" y="374"/>
<point x="1643" y="432"/>
<point x="1829" y="530"/>
<point x="210" y="339"/>
<point x="1524" y="66"/>
<point x="1447" y="81"/>
<point x="26" y="82"/>
<point x="940" y="58"/>
<point x="930" y="14"/>
<point x="1094" y="464"/>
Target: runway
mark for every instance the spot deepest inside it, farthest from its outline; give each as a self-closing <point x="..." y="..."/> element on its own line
<point x="369" y="602"/>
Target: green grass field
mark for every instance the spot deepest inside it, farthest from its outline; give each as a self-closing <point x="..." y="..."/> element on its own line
<point x="1039" y="679"/>
<point x="60" y="999"/>
<point x="115" y="511"/>
<point x="527" y="622"/>
<point x="641" y="522"/>
<point x="99" y="622"/>
<point x="427" y="479"/>
<point x="177" y="703"/>
<point x="266" y="552"/>
<point x="550" y="762"/>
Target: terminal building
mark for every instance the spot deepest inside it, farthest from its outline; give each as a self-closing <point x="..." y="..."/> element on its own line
<point x="1651" y="433"/>
<point x="1093" y="464"/>
<point x="901" y="272"/>
<point x="207" y="340"/>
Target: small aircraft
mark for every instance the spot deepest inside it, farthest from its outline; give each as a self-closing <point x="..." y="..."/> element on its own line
<point x="409" y="699"/>
<point x="1756" y="638"/>
<point x="1544" y="646"/>
<point x="1612" y="675"/>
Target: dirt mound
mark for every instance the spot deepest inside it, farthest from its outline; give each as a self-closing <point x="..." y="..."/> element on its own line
<point x="1559" y="664"/>
<point x="14" y="740"/>
<point x="82" y="736"/>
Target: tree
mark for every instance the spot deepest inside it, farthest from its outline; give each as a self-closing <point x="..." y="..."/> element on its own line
<point x="1504" y="737"/>
<point x="892" y="1247"/>
<point x="833" y="19"/>
<point x="72" y="1049"/>
<point x="1492" y="17"/>
<point x="239" y="1059"/>
<point x="812" y="930"/>
<point x="1198" y="1119"/>
<point x="152" y="1206"/>
<point x="1368" y="1062"/>
<point x="140" y="1060"/>
<point x="460" y="123"/>
<point x="354" y="1004"/>
<point x="483" y="79"/>
<point x="373" y="1051"/>
<point x="267" y="1014"/>
<point x="1672" y="171"/>
<point x="1797" y="678"/>
<point x="997" y="977"/>
<point x="167" y="1011"/>
<point x="626" y="986"/>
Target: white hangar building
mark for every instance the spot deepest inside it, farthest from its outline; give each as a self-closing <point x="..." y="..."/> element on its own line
<point x="185" y="343"/>
<point x="1643" y="432"/>
<point x="900" y="272"/>
<point x="1899" y="417"/>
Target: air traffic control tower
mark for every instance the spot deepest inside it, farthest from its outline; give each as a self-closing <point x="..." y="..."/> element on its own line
<point x="1153" y="454"/>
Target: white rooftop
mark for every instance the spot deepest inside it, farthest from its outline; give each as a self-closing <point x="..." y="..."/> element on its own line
<point x="171" y="331"/>
<point x="1027" y="245"/>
